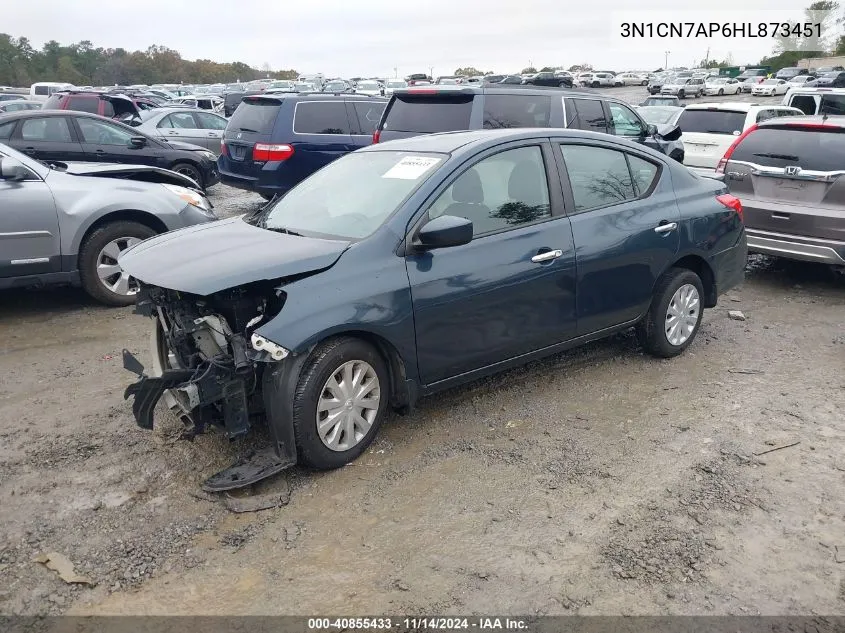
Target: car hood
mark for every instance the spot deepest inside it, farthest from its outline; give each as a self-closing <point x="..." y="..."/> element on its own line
<point x="207" y="258"/>
<point x="144" y="173"/>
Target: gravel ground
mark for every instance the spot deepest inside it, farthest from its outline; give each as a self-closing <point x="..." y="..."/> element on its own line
<point x="600" y="481"/>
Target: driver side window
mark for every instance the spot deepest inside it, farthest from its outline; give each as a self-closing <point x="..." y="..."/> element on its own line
<point x="101" y="133"/>
<point x="625" y="122"/>
<point x="502" y="191"/>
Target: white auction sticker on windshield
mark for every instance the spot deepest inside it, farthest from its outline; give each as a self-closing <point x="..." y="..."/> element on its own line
<point x="411" y="167"/>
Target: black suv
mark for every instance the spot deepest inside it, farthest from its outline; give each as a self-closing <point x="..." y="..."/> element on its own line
<point x="549" y="79"/>
<point x="430" y="109"/>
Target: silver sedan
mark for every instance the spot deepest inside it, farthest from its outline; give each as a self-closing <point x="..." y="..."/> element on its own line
<point x="188" y="125"/>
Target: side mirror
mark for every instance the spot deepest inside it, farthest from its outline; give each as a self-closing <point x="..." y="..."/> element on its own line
<point x="137" y="142"/>
<point x="445" y="231"/>
<point x="670" y="132"/>
<point x="12" y="171"/>
<point x="651" y="129"/>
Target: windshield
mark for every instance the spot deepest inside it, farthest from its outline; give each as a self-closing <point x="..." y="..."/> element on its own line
<point x="368" y="85"/>
<point x="396" y="84"/>
<point x="770" y="82"/>
<point x="716" y="81"/>
<point x="353" y="196"/>
<point x="657" y="115"/>
<point x="333" y="86"/>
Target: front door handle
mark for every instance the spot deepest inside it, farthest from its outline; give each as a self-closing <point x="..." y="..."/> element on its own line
<point x="666" y="228"/>
<point x="547" y="256"/>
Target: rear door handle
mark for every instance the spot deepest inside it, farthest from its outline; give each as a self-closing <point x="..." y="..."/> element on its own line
<point x="666" y="228"/>
<point x="547" y="256"/>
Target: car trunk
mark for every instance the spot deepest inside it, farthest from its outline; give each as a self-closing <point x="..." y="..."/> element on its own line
<point x="791" y="180"/>
<point x="251" y="123"/>
<point x="708" y="133"/>
<point x="425" y="111"/>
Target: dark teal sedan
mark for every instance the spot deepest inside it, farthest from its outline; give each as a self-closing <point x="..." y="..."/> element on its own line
<point x="418" y="264"/>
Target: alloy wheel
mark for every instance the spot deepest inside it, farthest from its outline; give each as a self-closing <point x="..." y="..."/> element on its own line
<point x="348" y="405"/>
<point x="682" y="314"/>
<point x="111" y="275"/>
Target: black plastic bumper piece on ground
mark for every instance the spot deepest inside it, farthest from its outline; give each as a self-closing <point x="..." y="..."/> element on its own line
<point x="258" y="466"/>
<point x="147" y="391"/>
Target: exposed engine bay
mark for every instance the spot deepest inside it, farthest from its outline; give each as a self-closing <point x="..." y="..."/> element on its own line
<point x="211" y="360"/>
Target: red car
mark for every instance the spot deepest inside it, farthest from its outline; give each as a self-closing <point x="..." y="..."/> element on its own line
<point x="119" y="107"/>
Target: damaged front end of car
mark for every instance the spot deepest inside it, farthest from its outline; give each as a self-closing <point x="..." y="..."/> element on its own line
<point x="209" y="365"/>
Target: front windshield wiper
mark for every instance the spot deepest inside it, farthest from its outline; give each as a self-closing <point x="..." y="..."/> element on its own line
<point x="781" y="156"/>
<point x="281" y="229"/>
<point x="247" y="129"/>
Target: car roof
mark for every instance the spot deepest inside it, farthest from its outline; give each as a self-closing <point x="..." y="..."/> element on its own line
<point x="497" y="89"/>
<point x="815" y="120"/>
<point x="735" y="106"/>
<point x="29" y="114"/>
<point x="449" y="142"/>
<point x="161" y="111"/>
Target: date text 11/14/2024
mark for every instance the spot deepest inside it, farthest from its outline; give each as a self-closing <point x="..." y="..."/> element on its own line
<point x="421" y="623"/>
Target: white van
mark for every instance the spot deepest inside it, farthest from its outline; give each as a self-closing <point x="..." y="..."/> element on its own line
<point x="42" y="90"/>
<point x="816" y="100"/>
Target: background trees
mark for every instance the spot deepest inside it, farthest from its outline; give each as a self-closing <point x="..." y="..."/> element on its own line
<point x="83" y="64"/>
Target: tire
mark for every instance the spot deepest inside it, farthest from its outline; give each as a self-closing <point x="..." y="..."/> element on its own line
<point x="651" y="331"/>
<point x="124" y="234"/>
<point x="721" y="92"/>
<point x="645" y="83"/>
<point x="681" y="94"/>
<point x="562" y="84"/>
<point x="189" y="170"/>
<point x="596" y="84"/>
<point x="326" y="360"/>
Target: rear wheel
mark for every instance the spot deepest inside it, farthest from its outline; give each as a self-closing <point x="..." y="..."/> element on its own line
<point x="186" y="169"/>
<point x="681" y="94"/>
<point x="562" y="84"/>
<point x="675" y="314"/>
<point x="596" y="84"/>
<point x="644" y="83"/>
<point x="721" y="92"/>
<point x="339" y="402"/>
<point x="101" y="275"/>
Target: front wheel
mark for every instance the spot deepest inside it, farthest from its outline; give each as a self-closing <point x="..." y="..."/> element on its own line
<point x="721" y="92"/>
<point x="562" y="84"/>
<point x="675" y="314"/>
<point x="681" y="94"/>
<point x="186" y="169"/>
<point x="644" y="83"/>
<point x="339" y="403"/>
<point x="596" y="84"/>
<point x="100" y="274"/>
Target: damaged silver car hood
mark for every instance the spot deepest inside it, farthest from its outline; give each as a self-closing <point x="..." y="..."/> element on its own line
<point x="207" y="258"/>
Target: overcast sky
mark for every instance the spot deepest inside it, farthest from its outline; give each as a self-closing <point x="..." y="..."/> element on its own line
<point x="372" y="37"/>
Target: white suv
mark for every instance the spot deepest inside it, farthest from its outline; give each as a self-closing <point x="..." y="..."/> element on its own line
<point x="708" y="129"/>
<point x="684" y="87"/>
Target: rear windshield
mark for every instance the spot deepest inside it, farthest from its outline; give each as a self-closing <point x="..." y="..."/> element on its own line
<point x="712" y="121"/>
<point x="808" y="148"/>
<point x="255" y="115"/>
<point x="429" y="114"/>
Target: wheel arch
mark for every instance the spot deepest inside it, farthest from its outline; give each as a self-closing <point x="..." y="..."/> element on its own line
<point x="401" y="395"/>
<point x="700" y="267"/>
<point x="122" y="215"/>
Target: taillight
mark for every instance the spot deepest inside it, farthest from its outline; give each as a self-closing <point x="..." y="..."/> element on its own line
<point x="224" y="151"/>
<point x="263" y="152"/>
<point x="720" y="168"/>
<point x="732" y="202"/>
<point x="376" y="136"/>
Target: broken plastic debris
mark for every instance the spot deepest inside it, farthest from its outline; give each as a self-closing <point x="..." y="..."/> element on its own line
<point x="60" y="564"/>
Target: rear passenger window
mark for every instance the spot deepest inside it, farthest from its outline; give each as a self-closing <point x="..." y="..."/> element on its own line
<point x="599" y="177"/>
<point x="506" y="111"/>
<point x="369" y="114"/>
<point x="53" y="129"/>
<point x="108" y="109"/>
<point x="83" y="104"/>
<point x="832" y="104"/>
<point x="589" y="115"/>
<point x="321" y="117"/>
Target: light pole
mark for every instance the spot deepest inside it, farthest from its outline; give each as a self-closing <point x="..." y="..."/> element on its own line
<point x="666" y="60"/>
<point x="431" y="71"/>
<point x="395" y="72"/>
